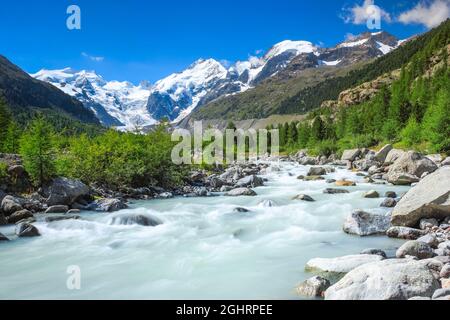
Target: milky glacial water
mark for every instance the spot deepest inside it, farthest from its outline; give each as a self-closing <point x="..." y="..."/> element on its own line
<point x="203" y="250"/>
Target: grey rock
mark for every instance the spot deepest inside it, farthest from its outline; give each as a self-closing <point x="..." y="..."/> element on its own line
<point x="405" y="233"/>
<point x="226" y="188"/>
<point x="19" y="215"/>
<point x="429" y="199"/>
<point x="108" y="205"/>
<point x="419" y="299"/>
<point x="26" y="230"/>
<point x="375" y="252"/>
<point x="410" y="164"/>
<point x="136" y="219"/>
<point x="381" y="155"/>
<point x="418" y="249"/>
<point x="250" y="182"/>
<point x="335" y="191"/>
<point x="395" y="279"/>
<point x="365" y="224"/>
<point x="329" y="181"/>
<point x="304" y="197"/>
<point x="63" y="191"/>
<point x="241" y="210"/>
<point x="402" y="178"/>
<point x="350" y="155"/>
<point x="341" y="264"/>
<point x="10" y="205"/>
<point x="317" y="171"/>
<point x="165" y="195"/>
<point x="61" y="218"/>
<point x="372" y="194"/>
<point x="436" y="158"/>
<point x="313" y="287"/>
<point x="388" y="203"/>
<point x="430" y="239"/>
<point x="57" y="209"/>
<point x="428" y="223"/>
<point x="241" y="192"/>
<point x="267" y="204"/>
<point x="393" y="155"/>
<point x="390" y="194"/>
<point x="73" y="211"/>
<point x="216" y="182"/>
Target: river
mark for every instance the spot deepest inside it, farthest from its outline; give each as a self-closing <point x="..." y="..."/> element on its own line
<point x="203" y="249"/>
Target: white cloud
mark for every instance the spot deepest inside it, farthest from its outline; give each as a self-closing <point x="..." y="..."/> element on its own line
<point x="360" y="14"/>
<point x="93" y="58"/>
<point x="430" y="14"/>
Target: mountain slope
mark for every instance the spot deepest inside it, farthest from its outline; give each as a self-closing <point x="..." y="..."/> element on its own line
<point x="246" y="106"/>
<point x="23" y="95"/>
<point x="119" y="104"/>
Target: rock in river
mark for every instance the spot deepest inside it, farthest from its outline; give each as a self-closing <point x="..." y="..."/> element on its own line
<point x="135" y="219"/>
<point x="335" y="191"/>
<point x="417" y="249"/>
<point x="396" y="279"/>
<point x="19" y="215"/>
<point x="57" y="209"/>
<point x="108" y="205"/>
<point x="365" y="224"/>
<point x="303" y="197"/>
<point x="65" y="191"/>
<point x="241" y="192"/>
<point x="408" y="167"/>
<point x="429" y="199"/>
<point x="342" y="264"/>
<point x="405" y="233"/>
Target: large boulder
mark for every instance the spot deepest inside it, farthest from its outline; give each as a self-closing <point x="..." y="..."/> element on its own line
<point x="396" y="279"/>
<point x="341" y="264"/>
<point x="381" y="155"/>
<point x="10" y="205"/>
<point x="63" y="191"/>
<point x="365" y="224"/>
<point x="241" y="192"/>
<point x="417" y="249"/>
<point x="430" y="198"/>
<point x="57" y="209"/>
<point x="350" y="155"/>
<point x="410" y="163"/>
<point x="402" y="178"/>
<point x="108" y="205"/>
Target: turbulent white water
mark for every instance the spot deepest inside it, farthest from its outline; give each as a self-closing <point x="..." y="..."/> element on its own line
<point x="203" y="250"/>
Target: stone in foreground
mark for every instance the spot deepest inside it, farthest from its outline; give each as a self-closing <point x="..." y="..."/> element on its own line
<point x="429" y="199"/>
<point x="396" y="279"/>
<point x="342" y="264"/>
<point x="313" y="287"/>
<point x="363" y="223"/>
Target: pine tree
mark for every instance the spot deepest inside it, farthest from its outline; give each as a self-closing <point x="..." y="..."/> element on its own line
<point x="37" y="151"/>
<point x="437" y="122"/>
<point x="5" y="120"/>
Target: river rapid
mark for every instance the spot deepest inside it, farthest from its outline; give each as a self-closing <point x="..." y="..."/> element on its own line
<point x="202" y="250"/>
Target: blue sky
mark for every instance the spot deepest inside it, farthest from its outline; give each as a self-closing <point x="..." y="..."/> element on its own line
<point x="146" y="40"/>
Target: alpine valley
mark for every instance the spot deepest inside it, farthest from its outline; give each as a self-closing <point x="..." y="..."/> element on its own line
<point x="124" y="105"/>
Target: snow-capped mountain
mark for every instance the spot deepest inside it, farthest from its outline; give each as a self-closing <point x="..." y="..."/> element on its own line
<point x="177" y="95"/>
<point x="119" y="104"/>
<point x="125" y="105"/>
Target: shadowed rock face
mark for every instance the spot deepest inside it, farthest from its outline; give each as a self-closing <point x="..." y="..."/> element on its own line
<point x="429" y="199"/>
